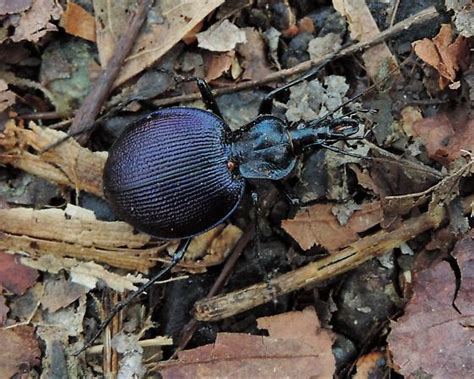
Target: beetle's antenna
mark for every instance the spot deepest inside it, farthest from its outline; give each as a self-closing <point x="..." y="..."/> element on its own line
<point x="64" y="139"/>
<point x="177" y="256"/>
<point x="343" y="152"/>
<point x="358" y="96"/>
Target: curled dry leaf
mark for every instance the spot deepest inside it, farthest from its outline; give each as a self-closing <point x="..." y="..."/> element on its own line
<point x="444" y="54"/>
<point x="434" y="337"/>
<point x="78" y="22"/>
<point x="317" y="225"/>
<point x="223" y="36"/>
<point x="297" y="347"/>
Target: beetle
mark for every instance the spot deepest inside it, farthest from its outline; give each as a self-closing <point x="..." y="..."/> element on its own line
<point x="180" y="171"/>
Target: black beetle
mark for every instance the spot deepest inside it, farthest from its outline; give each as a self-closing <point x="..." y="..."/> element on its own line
<point x="180" y="171"/>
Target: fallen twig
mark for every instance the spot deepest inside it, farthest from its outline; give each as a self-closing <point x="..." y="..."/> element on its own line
<point x="419" y="18"/>
<point x="101" y="88"/>
<point x="230" y="304"/>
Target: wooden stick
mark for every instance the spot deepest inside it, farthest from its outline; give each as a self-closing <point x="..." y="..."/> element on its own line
<point x="419" y="18"/>
<point x="90" y="108"/>
<point x="220" y="307"/>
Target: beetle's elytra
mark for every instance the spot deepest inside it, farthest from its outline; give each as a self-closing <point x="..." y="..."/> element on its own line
<point x="169" y="175"/>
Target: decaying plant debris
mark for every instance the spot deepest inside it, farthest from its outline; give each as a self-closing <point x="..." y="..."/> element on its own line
<point x="340" y="282"/>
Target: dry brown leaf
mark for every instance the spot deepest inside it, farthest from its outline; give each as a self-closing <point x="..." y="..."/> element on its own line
<point x="317" y="225"/>
<point x="378" y="60"/>
<point x="60" y="293"/>
<point x="223" y="36"/>
<point x="433" y="338"/>
<point x="444" y="54"/>
<point x="297" y="347"/>
<point x="14" y="276"/>
<point x="171" y="21"/>
<point x="78" y="22"/>
<point x="7" y="97"/>
<point x="19" y="351"/>
<point x="254" y="59"/>
<point x="218" y="64"/>
<point x="35" y="22"/>
<point x="446" y="135"/>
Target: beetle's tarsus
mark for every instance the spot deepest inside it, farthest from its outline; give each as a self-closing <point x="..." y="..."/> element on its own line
<point x="177" y="256"/>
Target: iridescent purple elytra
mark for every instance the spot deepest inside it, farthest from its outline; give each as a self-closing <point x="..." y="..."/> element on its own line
<point x="168" y="174"/>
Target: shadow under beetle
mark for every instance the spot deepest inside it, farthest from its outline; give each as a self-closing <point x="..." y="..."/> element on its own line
<point x="180" y="171"/>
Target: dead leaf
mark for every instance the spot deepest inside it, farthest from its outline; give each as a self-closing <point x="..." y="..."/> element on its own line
<point x="446" y="134"/>
<point x="444" y="54"/>
<point x="317" y="225"/>
<point x="7" y="97"/>
<point x="35" y="22"/>
<point x="320" y="46"/>
<point x="223" y="36"/>
<point x="254" y="59"/>
<point x="60" y="293"/>
<point x="3" y="310"/>
<point x="297" y="347"/>
<point x="433" y="338"/>
<point x="168" y="24"/>
<point x="14" y="6"/>
<point x="78" y="22"/>
<point x="378" y="59"/>
<point x="218" y="64"/>
<point x="19" y="351"/>
<point x="14" y="276"/>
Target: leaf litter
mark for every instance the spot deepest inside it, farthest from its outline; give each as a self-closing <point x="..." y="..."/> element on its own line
<point x="421" y="164"/>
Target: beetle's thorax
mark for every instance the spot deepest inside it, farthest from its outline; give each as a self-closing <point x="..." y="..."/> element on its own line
<point x="263" y="149"/>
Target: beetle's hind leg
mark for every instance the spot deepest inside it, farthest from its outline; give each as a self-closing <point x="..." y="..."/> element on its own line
<point x="177" y="256"/>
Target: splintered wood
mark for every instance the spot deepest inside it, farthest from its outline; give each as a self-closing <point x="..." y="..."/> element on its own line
<point x="67" y="164"/>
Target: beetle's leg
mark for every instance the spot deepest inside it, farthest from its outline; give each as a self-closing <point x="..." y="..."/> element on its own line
<point x="292" y="200"/>
<point x="343" y="152"/>
<point x="266" y="105"/>
<point x="177" y="256"/>
<point x="208" y="97"/>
